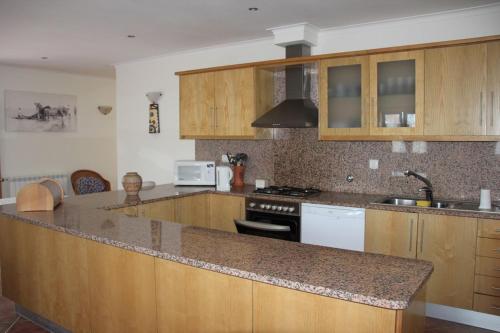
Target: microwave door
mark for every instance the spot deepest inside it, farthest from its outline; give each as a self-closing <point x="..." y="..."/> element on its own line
<point x="189" y="173"/>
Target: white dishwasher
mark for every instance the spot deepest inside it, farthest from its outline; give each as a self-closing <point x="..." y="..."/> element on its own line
<point x="335" y="226"/>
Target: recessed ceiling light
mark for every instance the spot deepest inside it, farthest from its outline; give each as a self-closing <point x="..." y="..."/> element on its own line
<point x="131" y="36"/>
<point x="44" y="58"/>
<point x="253" y="9"/>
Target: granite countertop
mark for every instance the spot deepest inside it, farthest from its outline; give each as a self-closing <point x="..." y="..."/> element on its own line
<point x="372" y="279"/>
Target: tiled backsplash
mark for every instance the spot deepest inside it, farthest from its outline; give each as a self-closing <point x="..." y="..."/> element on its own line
<point x="457" y="170"/>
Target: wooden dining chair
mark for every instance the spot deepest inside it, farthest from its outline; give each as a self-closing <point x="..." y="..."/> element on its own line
<point x="88" y="181"/>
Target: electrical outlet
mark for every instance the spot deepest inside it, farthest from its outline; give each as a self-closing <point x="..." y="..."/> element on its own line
<point x="224" y="159"/>
<point x="373" y="164"/>
<point x="419" y="147"/>
<point x="398" y="147"/>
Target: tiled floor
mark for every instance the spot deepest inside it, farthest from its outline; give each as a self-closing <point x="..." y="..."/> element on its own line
<point x="10" y="323"/>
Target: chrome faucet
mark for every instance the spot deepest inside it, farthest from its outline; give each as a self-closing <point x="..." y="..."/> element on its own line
<point x="427" y="189"/>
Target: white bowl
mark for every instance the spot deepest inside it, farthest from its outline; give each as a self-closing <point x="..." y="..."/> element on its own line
<point x="148" y="185"/>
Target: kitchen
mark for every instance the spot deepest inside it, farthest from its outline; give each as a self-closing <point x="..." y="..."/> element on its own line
<point x="375" y="152"/>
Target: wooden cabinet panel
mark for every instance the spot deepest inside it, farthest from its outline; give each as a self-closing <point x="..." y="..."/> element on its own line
<point x="159" y="210"/>
<point x="488" y="247"/>
<point x="489" y="228"/>
<point x="193" y="210"/>
<point x="488" y="266"/>
<point x="449" y="243"/>
<point x="493" y="50"/>
<point x="488" y="304"/>
<point x="398" y="101"/>
<point x="195" y="300"/>
<point x="122" y="290"/>
<point x="335" y="104"/>
<point x="487" y="285"/>
<point x="279" y="309"/>
<point x="46" y="272"/>
<point x="455" y="90"/>
<point x="234" y="102"/>
<point x="129" y="211"/>
<point x="197" y="104"/>
<point x="391" y="233"/>
<point x="224" y="209"/>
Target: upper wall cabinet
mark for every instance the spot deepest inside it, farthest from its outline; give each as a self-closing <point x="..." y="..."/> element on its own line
<point x="219" y="104"/>
<point x="493" y="105"/>
<point x="397" y="93"/>
<point x="344" y="97"/>
<point x="455" y="90"/>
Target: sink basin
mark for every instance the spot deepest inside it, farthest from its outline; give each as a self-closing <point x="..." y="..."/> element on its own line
<point x="400" y="201"/>
<point x="440" y="204"/>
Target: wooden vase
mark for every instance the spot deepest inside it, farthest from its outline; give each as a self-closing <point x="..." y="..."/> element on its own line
<point x="239" y="175"/>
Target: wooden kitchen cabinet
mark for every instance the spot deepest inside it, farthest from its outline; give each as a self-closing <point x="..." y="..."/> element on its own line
<point x="46" y="272"/>
<point x="196" y="300"/>
<point x="449" y="242"/>
<point x="197" y="105"/>
<point x="193" y="210"/>
<point x="455" y="90"/>
<point x="397" y="92"/>
<point x="493" y="72"/>
<point x="122" y="290"/>
<point x="224" y="209"/>
<point x="344" y="97"/>
<point x="159" y="210"/>
<point x="220" y="104"/>
<point x="391" y="233"/>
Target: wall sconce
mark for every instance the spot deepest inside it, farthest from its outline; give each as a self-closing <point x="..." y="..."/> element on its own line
<point x="154" y="111"/>
<point x="105" y="109"/>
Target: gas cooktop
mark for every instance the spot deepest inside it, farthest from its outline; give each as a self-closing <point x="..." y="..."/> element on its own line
<point x="287" y="191"/>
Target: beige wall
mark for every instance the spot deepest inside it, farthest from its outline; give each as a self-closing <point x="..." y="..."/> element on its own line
<point x="92" y="146"/>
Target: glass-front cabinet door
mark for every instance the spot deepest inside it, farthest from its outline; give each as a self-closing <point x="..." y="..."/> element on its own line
<point x="344" y="97"/>
<point x="397" y="93"/>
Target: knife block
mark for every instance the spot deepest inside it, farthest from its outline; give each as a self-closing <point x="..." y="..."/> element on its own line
<point x="42" y="196"/>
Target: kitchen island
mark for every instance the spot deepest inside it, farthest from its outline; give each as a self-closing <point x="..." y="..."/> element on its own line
<point x="90" y="269"/>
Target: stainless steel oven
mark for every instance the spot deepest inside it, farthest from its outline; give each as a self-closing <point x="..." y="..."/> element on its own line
<point x="271" y="218"/>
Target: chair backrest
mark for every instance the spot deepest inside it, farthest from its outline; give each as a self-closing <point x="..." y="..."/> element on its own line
<point x="88" y="181"/>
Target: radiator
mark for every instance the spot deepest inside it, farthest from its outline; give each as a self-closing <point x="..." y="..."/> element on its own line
<point x="12" y="185"/>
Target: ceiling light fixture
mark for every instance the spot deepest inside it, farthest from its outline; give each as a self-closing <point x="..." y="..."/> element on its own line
<point x="131" y="36"/>
<point x="44" y="58"/>
<point x="253" y="9"/>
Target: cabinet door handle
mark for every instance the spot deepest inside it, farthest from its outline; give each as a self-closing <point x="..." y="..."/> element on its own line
<point x="215" y="117"/>
<point x="411" y="235"/>
<point x="422" y="237"/>
<point x="495" y="288"/>
<point x="495" y="307"/>
<point x="481" y="108"/>
<point x="492" y="104"/>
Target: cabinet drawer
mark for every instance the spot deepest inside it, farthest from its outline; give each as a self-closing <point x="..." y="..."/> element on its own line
<point x="487" y="247"/>
<point x="488" y="266"/>
<point x="487" y="285"/>
<point x="489" y="228"/>
<point x="488" y="304"/>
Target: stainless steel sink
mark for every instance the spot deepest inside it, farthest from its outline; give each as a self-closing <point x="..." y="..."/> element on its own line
<point x="441" y="204"/>
<point x="400" y="201"/>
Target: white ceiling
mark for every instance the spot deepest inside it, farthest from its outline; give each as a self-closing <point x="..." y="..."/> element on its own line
<point x="88" y="36"/>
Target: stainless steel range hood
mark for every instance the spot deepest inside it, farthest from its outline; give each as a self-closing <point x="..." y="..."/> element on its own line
<point x="297" y="110"/>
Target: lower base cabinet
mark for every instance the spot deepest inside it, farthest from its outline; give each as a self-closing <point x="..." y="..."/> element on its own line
<point x="224" y="209"/>
<point x="196" y="300"/>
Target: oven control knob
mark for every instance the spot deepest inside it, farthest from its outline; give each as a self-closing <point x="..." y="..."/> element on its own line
<point x="268" y="206"/>
<point x="262" y="206"/>
<point x="274" y="207"/>
<point x="291" y="209"/>
<point x="251" y="204"/>
<point x="279" y="208"/>
<point x="285" y="208"/>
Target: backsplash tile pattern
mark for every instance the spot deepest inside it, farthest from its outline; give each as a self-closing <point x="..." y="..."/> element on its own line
<point x="457" y="170"/>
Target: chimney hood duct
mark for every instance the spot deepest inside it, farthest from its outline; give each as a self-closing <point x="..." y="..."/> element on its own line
<point x="297" y="110"/>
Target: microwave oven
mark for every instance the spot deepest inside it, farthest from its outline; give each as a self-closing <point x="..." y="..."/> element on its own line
<point x="194" y="173"/>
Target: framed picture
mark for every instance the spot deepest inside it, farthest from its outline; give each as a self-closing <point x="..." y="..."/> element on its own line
<point x="39" y="112"/>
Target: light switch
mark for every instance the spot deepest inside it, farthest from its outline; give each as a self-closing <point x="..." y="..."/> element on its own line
<point x="373" y="164"/>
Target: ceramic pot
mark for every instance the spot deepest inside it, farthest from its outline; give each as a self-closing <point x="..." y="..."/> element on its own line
<point x="132" y="183"/>
<point x="239" y="175"/>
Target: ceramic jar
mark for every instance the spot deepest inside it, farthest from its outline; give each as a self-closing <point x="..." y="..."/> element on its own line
<point x="132" y="183"/>
<point x="239" y="175"/>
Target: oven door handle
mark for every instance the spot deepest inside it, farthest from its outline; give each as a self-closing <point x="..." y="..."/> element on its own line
<point x="263" y="226"/>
